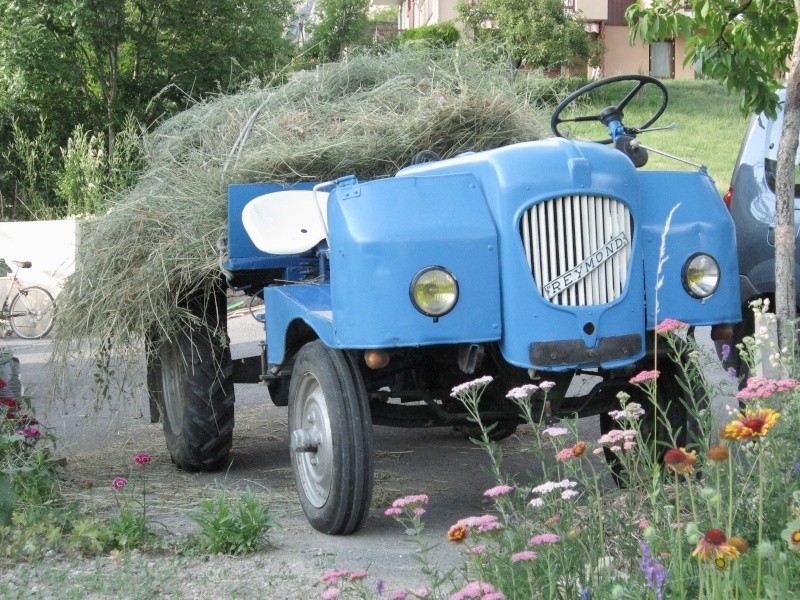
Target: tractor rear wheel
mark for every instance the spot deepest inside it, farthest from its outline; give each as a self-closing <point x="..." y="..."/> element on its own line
<point x="191" y="381"/>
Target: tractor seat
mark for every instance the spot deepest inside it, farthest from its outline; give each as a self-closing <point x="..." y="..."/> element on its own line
<point x="286" y="222"/>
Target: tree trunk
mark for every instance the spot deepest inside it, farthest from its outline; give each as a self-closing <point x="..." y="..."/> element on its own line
<point x="785" y="299"/>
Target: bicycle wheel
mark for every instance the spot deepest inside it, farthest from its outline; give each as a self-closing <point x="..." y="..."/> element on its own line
<point x="31" y="313"/>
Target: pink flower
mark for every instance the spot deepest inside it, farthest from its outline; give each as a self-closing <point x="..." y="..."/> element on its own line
<point x="356" y="575"/>
<point x="644" y="376"/>
<point x="597" y="451"/>
<point x="498" y="490"/>
<point x="331" y="593"/>
<point x="669" y="325"/>
<point x="119" y="483"/>
<point x="525" y="555"/>
<point x="29" y="432"/>
<point x="494" y="596"/>
<point x="142" y="458"/>
<point x="393" y="512"/>
<point x="419" y="511"/>
<point x="407" y="500"/>
<point x="483" y="523"/>
<point x="564" y="454"/>
<point x="644" y="524"/>
<point x="422" y="593"/>
<point x="474" y="589"/>
<point x="2" y="384"/>
<point x="628" y="445"/>
<point x="479" y="549"/>
<point x="399" y="595"/>
<point x="333" y="577"/>
<point x="761" y="387"/>
<point x="544" y="538"/>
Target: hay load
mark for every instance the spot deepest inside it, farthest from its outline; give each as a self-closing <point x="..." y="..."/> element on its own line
<point x="165" y="237"/>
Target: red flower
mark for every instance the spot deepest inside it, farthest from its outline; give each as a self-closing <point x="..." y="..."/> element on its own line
<point x="10" y="403"/>
<point x="142" y="458"/>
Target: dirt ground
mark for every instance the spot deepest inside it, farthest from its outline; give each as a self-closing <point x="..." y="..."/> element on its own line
<point x="100" y="441"/>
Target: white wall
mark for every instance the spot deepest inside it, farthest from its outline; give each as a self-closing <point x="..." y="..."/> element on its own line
<point x="49" y="245"/>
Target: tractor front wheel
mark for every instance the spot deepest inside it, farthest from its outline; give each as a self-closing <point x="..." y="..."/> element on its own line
<point x="330" y="427"/>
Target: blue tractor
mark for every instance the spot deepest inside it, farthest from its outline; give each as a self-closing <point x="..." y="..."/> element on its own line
<point x="535" y="261"/>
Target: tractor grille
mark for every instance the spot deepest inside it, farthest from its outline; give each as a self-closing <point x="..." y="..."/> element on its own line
<point x="578" y="248"/>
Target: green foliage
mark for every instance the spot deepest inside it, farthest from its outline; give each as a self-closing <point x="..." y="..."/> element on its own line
<point x="128" y="529"/>
<point x="539" y="34"/>
<point x="438" y="35"/>
<point x="94" y="62"/>
<point x="340" y="24"/>
<point x="742" y="45"/>
<point x="81" y="183"/>
<point x="31" y="163"/>
<point x="232" y="525"/>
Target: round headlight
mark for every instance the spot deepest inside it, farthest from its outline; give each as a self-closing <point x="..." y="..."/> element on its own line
<point x="434" y="291"/>
<point x="701" y="275"/>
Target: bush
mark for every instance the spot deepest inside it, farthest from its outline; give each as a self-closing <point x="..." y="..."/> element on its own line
<point x="438" y="35"/>
<point x="232" y="525"/>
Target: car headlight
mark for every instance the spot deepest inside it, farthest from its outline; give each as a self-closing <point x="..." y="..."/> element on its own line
<point x="434" y="291"/>
<point x="701" y="275"/>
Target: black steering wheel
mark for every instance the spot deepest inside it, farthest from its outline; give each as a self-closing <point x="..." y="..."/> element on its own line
<point x="614" y="113"/>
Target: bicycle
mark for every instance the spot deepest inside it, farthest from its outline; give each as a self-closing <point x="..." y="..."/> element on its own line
<point x="30" y="312"/>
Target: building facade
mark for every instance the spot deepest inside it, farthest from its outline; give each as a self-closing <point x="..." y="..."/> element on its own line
<point x="604" y="19"/>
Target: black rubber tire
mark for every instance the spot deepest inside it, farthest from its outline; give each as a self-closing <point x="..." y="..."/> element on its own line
<point x="680" y="418"/>
<point x="32" y="313"/>
<point x="334" y="480"/>
<point x="191" y="379"/>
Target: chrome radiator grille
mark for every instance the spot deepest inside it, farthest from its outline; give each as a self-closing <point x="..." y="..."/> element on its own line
<point x="578" y="248"/>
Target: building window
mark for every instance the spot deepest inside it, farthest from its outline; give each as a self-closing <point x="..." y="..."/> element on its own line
<point x="662" y="59"/>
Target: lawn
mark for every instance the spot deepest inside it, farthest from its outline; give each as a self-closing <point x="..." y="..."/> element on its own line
<point x="709" y="128"/>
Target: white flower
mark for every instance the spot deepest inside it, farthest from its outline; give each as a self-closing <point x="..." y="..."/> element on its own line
<point x="536" y="502"/>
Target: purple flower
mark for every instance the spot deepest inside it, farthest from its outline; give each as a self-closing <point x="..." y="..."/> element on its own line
<point x="379" y="587"/>
<point x="726" y="351"/>
<point x="654" y="571"/>
<point x="732" y="373"/>
<point x="586" y="594"/>
<point x="797" y="468"/>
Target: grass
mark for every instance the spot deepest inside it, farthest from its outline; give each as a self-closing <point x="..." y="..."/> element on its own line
<point x="709" y="129"/>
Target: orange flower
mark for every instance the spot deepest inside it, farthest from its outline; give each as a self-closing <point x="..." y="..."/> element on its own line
<point x="457" y="533"/>
<point x="795" y="536"/>
<point x="679" y="461"/>
<point x="578" y="449"/>
<point x="739" y="543"/>
<point x="750" y="423"/>
<point x="714" y="541"/>
<point x="718" y="454"/>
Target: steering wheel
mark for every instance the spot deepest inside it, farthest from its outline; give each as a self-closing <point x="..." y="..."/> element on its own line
<point x="611" y="116"/>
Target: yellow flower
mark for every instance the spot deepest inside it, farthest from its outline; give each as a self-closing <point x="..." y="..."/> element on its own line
<point x="750" y="423"/>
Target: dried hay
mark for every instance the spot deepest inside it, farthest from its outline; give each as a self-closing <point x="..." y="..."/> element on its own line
<point x="165" y="238"/>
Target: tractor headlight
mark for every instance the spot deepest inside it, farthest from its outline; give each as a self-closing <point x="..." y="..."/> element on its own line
<point x="434" y="291"/>
<point x="701" y="275"/>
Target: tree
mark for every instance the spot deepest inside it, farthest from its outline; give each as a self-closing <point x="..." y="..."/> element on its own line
<point x="540" y="34"/>
<point x="743" y="45"/>
<point x="339" y="24"/>
<point x="113" y="58"/>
